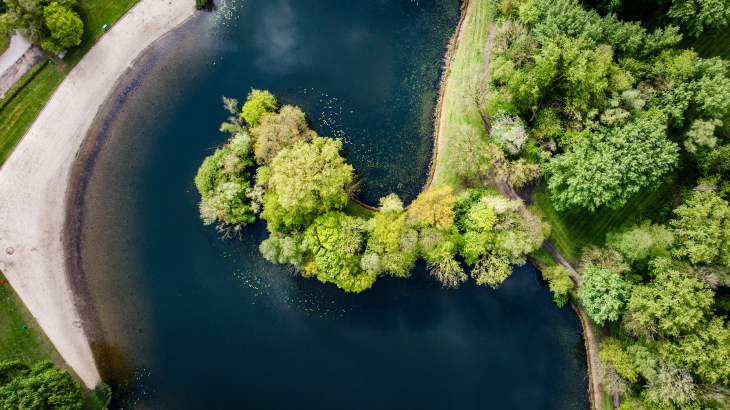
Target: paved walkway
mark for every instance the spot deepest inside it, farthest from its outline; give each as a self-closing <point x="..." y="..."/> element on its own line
<point x="33" y="181"/>
<point x="18" y="47"/>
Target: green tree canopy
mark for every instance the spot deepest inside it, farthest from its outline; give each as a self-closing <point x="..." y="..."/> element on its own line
<point x="706" y="352"/>
<point x="702" y="229"/>
<point x="28" y="17"/>
<point x="391" y="240"/>
<point x="700" y="15"/>
<point x="609" y="167"/>
<point x="603" y="292"/>
<point x="335" y="240"/>
<point x="306" y="180"/>
<point x="222" y="181"/>
<point x="558" y="278"/>
<point x="612" y="354"/>
<point x="65" y="26"/>
<point x="41" y="386"/>
<point x="641" y="241"/>
<point x="674" y="303"/>
<point x="257" y="104"/>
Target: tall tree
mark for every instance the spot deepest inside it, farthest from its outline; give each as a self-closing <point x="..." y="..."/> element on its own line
<point x="702" y="228"/>
<point x="609" y="167"/>
<point x="306" y="180"/>
<point x="65" y="27"/>
<point x="674" y="303"/>
<point x="603" y="292"/>
<point x="700" y="15"/>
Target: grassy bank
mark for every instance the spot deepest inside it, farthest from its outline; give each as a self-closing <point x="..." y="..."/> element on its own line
<point x="21" y="338"/>
<point x="19" y="113"/>
<point x="4" y="43"/>
<point x="465" y="67"/>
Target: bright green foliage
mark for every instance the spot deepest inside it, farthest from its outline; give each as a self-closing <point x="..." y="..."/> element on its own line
<point x="518" y="231"/>
<point x="281" y="248"/>
<point x="697" y="90"/>
<point x="280" y="130"/>
<point x="563" y="65"/>
<point x="702" y="229"/>
<point x="306" y="180"/>
<point x="334" y="239"/>
<point x="479" y="233"/>
<point x="257" y="104"/>
<point x="698" y="15"/>
<point x="674" y="303"/>
<point x="603" y="292"/>
<point x="609" y="167"/>
<point x="706" y="352"/>
<point x="496" y="232"/>
<point x="41" y="386"/>
<point x="641" y="241"/>
<point x="567" y="17"/>
<point x="391" y="240"/>
<point x="642" y="361"/>
<point x="558" y="278"/>
<point x="65" y="26"/>
<point x="613" y="355"/>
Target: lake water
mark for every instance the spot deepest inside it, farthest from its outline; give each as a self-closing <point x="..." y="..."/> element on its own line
<point x="195" y="322"/>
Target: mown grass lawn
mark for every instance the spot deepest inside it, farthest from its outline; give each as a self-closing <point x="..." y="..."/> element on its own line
<point x="574" y="229"/>
<point x="465" y="68"/>
<point x="18" y="115"/>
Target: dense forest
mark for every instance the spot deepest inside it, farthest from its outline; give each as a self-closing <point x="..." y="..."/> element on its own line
<point x="607" y="110"/>
<point x="597" y="109"/>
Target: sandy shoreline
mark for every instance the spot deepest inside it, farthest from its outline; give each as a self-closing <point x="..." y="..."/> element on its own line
<point x="34" y="181"/>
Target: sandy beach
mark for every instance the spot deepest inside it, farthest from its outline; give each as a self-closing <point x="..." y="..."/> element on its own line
<point x="34" y="180"/>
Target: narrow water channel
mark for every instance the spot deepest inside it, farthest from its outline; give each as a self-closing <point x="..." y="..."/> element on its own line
<point x="195" y="322"/>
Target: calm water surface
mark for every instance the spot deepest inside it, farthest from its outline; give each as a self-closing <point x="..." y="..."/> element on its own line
<point x="200" y="323"/>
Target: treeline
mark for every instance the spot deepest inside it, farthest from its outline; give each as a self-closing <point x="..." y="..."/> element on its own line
<point x="606" y="110"/>
<point x="51" y="23"/>
<point x="274" y="166"/>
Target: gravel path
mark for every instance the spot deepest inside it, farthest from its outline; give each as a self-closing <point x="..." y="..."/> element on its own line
<point x="33" y="181"/>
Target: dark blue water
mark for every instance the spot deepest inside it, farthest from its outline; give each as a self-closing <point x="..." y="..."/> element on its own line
<point x="207" y="323"/>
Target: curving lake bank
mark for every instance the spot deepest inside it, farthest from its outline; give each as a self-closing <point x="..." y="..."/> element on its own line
<point x="201" y="318"/>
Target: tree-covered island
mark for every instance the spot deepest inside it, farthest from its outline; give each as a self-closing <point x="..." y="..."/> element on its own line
<point x="301" y="184"/>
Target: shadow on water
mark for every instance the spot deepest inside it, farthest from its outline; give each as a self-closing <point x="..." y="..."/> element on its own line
<point x="203" y="323"/>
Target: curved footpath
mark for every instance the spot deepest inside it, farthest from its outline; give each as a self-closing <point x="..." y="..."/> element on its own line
<point x="34" y="180"/>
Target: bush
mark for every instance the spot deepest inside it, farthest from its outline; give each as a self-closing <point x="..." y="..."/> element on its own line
<point x="38" y="387"/>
